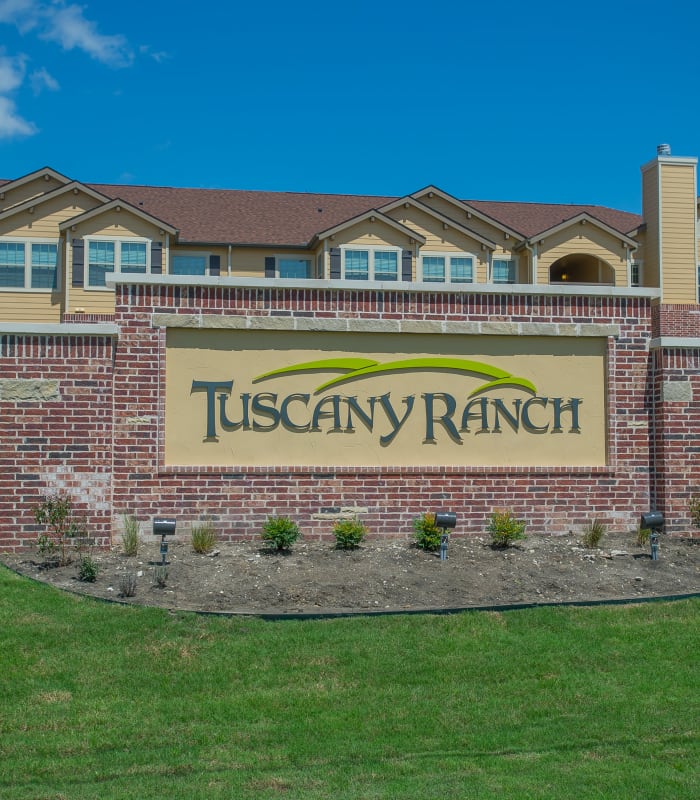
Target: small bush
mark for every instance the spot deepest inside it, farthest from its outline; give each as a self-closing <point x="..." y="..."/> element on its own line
<point x="127" y="584"/>
<point x="203" y="537"/>
<point x="427" y="532"/>
<point x="282" y="532"/>
<point x="694" y="509"/>
<point x="160" y="576"/>
<point x="505" y="529"/>
<point x="349" y="533"/>
<point x="88" y="569"/>
<point x="643" y="535"/>
<point x="65" y="531"/>
<point x="593" y="533"/>
<point x="130" y="536"/>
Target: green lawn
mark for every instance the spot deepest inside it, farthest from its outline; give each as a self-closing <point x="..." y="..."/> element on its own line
<point x="105" y="701"/>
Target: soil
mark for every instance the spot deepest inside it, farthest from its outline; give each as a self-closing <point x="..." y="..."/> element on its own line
<point x="386" y="575"/>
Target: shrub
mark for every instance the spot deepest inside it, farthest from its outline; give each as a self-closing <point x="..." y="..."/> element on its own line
<point x="505" y="529"/>
<point x="65" y="532"/>
<point x="643" y="535"/>
<point x="427" y="532"/>
<point x="593" y="533"/>
<point x="130" y="536"/>
<point x="160" y="576"/>
<point x="127" y="584"/>
<point x="88" y="569"/>
<point x="694" y="509"/>
<point x="203" y="537"/>
<point x="280" y="531"/>
<point x="349" y="533"/>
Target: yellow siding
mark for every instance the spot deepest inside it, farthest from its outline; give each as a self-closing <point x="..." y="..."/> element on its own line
<point x="26" y="191"/>
<point x="47" y="216"/>
<point x="371" y="234"/>
<point x="115" y="223"/>
<point x="222" y="252"/>
<point x="582" y="239"/>
<point x="489" y="231"/>
<point x="650" y="210"/>
<point x="437" y="237"/>
<point x="91" y="301"/>
<point x="678" y="217"/>
<point x="249" y="262"/>
<point x="30" y="306"/>
<point x="649" y="278"/>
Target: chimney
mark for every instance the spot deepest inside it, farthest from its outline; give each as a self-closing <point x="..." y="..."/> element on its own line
<point x="669" y="208"/>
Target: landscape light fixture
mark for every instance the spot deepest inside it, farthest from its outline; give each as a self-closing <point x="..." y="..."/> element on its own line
<point x="163" y="527"/>
<point x="653" y="521"/>
<point x="445" y="520"/>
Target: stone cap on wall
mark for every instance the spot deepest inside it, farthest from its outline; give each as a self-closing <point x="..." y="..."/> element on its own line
<point x="569" y="290"/>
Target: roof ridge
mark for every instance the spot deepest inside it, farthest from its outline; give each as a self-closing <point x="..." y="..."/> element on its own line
<point x="383" y="197"/>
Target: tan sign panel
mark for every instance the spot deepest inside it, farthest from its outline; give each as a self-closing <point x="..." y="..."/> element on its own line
<point x="248" y="398"/>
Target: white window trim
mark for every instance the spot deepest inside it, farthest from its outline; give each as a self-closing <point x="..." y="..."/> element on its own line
<point x="117" y="257"/>
<point x="513" y="260"/>
<point x="288" y="257"/>
<point x="447" y="255"/>
<point x="187" y="254"/>
<point x="371" y="249"/>
<point x="28" y="242"/>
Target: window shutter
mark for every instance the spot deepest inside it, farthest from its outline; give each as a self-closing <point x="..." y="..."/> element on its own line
<point x="335" y="263"/>
<point x="78" y="262"/>
<point x="157" y="258"/>
<point x="269" y="266"/>
<point x="406" y="265"/>
<point x="215" y="265"/>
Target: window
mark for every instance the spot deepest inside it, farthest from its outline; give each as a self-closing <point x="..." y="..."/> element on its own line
<point x="189" y="264"/>
<point x="635" y="273"/>
<point x="28" y="265"/>
<point x="114" y="255"/>
<point x="503" y="270"/>
<point x="289" y="267"/>
<point x="446" y="268"/>
<point x="371" y="264"/>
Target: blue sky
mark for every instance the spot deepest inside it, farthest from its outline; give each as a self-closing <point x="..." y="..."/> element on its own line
<point x="541" y="101"/>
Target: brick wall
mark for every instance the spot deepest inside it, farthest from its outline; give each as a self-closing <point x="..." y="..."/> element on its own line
<point x="554" y="500"/>
<point x="675" y="445"/>
<point x="676" y="320"/>
<point x="55" y="431"/>
<point x="86" y="417"/>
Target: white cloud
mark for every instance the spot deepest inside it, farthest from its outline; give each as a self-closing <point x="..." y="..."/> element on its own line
<point x="158" y="56"/>
<point x="68" y="26"/>
<point x="40" y="79"/>
<point x="56" y="21"/>
<point x="21" y="13"/>
<point x="11" y="124"/>
<point x="12" y="70"/>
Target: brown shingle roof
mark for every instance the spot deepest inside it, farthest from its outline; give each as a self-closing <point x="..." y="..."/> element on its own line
<point x="533" y="218"/>
<point x="277" y="218"/>
<point x="233" y="216"/>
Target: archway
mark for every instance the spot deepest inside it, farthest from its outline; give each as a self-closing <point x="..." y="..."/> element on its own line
<point x="581" y="268"/>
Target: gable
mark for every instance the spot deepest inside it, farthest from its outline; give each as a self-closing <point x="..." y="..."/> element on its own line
<point x="29" y="187"/>
<point x="43" y="218"/>
<point x="439" y="233"/>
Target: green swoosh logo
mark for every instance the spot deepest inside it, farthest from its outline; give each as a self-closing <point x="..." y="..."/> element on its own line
<point x="355" y="368"/>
